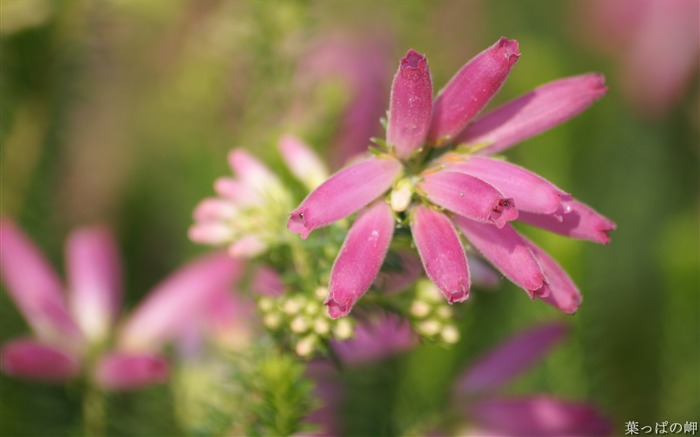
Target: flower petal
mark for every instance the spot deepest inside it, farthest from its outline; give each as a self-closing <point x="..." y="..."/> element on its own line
<point x="410" y="105"/>
<point x="581" y="221"/>
<point x="563" y="293"/>
<point x="470" y="90"/>
<point x="533" y="113"/>
<point x="442" y="253"/>
<point x="248" y="246"/>
<point x="540" y="416"/>
<point x="94" y="280"/>
<point x="213" y="209"/>
<point x="530" y="192"/>
<point x="344" y="193"/>
<point x="507" y="251"/>
<point x="468" y="196"/>
<point x="210" y="233"/>
<point x="267" y="282"/>
<point x="34" y="287"/>
<point x="511" y="358"/>
<point x="360" y="258"/>
<point x="122" y="371"/>
<point x="183" y="294"/>
<point x="31" y="359"/>
<point x="251" y="172"/>
<point x="376" y="339"/>
<point x="241" y="194"/>
<point x="302" y="161"/>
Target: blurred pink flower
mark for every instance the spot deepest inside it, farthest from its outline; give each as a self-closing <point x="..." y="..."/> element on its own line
<point x="655" y="44"/>
<point x="375" y="339"/>
<point x="67" y="334"/>
<point x="541" y="415"/>
<point x="360" y="66"/>
<point x="478" y="194"/>
<point x="247" y="212"/>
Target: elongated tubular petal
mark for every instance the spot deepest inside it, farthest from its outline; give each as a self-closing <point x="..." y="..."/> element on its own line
<point x="470" y="90"/>
<point x="32" y="359"/>
<point x="304" y="163"/>
<point x="529" y="191"/>
<point x="343" y="193"/>
<point x="563" y="293"/>
<point x="410" y="105"/>
<point x="183" y="294"/>
<point x="360" y="258"/>
<point x="94" y="280"/>
<point x="376" y="339"/>
<point x="34" y="287"/>
<point x="210" y="233"/>
<point x="581" y="222"/>
<point x="124" y="371"/>
<point x="507" y="251"/>
<point x="241" y="194"/>
<point x="468" y="196"/>
<point x="511" y="358"/>
<point x="252" y="173"/>
<point x="211" y="209"/>
<point x="539" y="416"/>
<point x="267" y="282"/>
<point x="249" y="246"/>
<point x="442" y="253"/>
<point x="533" y="113"/>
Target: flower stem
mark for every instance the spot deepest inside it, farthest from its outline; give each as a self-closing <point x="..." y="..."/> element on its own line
<point x="94" y="411"/>
<point x="299" y="257"/>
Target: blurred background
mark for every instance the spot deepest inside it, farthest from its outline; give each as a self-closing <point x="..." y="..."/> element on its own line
<point x="122" y="111"/>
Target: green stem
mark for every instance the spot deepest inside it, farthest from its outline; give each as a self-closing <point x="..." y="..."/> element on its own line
<point x="94" y="411"/>
<point x="299" y="257"/>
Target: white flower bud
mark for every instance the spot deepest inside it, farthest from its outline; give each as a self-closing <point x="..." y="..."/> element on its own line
<point x="343" y="329"/>
<point x="299" y="324"/>
<point x="450" y="334"/>
<point x="429" y="328"/>
<point x="420" y="309"/>
<point x="306" y="346"/>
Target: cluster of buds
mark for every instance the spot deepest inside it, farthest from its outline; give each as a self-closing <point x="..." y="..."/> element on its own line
<point x="302" y="318"/>
<point x="431" y="315"/>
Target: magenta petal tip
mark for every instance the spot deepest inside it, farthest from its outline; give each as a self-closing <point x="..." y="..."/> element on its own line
<point x="441" y="252"/>
<point x="470" y="90"/>
<point x="360" y="258"/>
<point x="297" y="223"/>
<point x="410" y="105"/>
<point x="120" y="371"/>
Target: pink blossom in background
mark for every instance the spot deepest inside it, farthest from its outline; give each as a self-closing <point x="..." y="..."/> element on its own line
<point x="246" y="214"/>
<point x="655" y="45"/>
<point x="376" y="338"/>
<point x="492" y="414"/>
<point x="360" y="66"/>
<point x="436" y="177"/>
<point x="69" y="327"/>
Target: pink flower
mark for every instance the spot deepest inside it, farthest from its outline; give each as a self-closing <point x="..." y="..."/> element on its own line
<point x="248" y="209"/>
<point x="439" y="193"/>
<point x="357" y="67"/>
<point x="68" y="331"/>
<point x="541" y="415"/>
<point x="376" y="338"/>
<point x="654" y="44"/>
